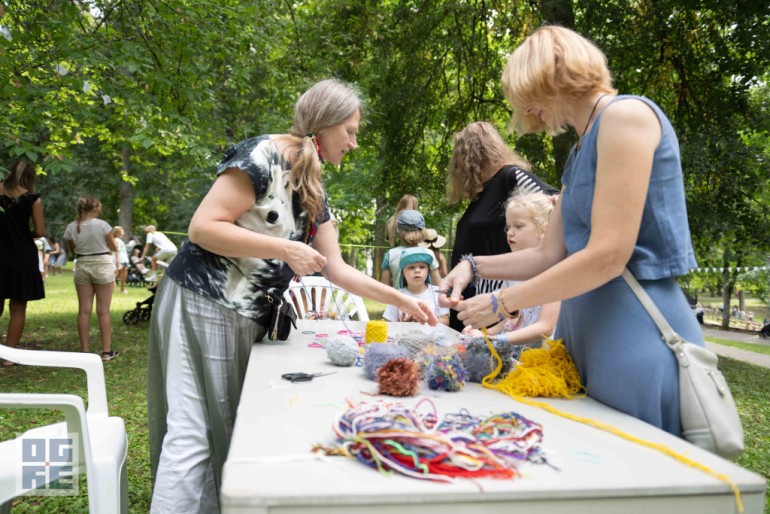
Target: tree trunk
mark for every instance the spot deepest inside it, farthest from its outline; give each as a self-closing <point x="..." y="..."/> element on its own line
<point x="727" y="288"/>
<point x="560" y="12"/>
<point x="126" y="212"/>
<point x="380" y="235"/>
<point x="380" y="228"/>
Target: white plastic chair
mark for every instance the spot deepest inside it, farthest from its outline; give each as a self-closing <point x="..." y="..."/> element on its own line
<point x="322" y="299"/>
<point x="99" y="440"/>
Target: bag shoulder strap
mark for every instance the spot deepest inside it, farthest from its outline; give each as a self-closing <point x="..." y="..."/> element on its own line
<point x="671" y="338"/>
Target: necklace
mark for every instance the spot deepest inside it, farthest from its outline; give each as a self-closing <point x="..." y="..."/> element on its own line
<point x="590" y="117"/>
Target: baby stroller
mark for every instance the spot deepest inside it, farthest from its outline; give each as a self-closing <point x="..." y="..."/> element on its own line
<point x="134" y="278"/>
<point x="136" y="270"/>
<point x="143" y="309"/>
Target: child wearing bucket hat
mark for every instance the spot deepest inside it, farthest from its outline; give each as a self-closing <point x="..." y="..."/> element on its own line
<point x="434" y="242"/>
<point x="414" y="268"/>
<point x="411" y="231"/>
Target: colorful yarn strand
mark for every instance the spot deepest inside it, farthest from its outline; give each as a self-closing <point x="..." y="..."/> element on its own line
<point x="550" y="372"/>
<point x="393" y="438"/>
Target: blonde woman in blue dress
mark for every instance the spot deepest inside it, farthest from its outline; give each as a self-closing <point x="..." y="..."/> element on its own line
<point x="622" y="204"/>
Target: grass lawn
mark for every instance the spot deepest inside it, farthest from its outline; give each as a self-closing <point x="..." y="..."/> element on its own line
<point x="752" y="347"/>
<point x="51" y="326"/>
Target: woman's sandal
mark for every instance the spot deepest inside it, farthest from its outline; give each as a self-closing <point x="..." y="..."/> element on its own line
<point x="108" y="356"/>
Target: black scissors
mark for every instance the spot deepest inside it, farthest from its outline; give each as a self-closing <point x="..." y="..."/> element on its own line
<point x="303" y="377"/>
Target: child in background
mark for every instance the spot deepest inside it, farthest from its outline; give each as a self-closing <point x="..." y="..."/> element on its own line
<point x="415" y="270"/>
<point x="121" y="258"/>
<point x="91" y="240"/>
<point x="136" y="260"/>
<point x="526" y="218"/>
<point x="411" y="232"/>
<point x="407" y="202"/>
<point x="41" y="257"/>
<point x="54" y="255"/>
<point x="433" y="242"/>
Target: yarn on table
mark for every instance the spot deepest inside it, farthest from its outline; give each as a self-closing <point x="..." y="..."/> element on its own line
<point x="390" y="437"/>
<point x="446" y="373"/>
<point x="399" y="377"/>
<point x="478" y="360"/>
<point x="548" y="371"/>
<point x="377" y="354"/>
<point x="416" y="341"/>
<point x="376" y="331"/>
<point x="342" y="351"/>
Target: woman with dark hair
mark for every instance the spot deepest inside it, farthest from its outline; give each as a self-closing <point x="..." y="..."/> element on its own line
<point x="20" y="279"/>
<point x="484" y="170"/>
<point x="265" y="220"/>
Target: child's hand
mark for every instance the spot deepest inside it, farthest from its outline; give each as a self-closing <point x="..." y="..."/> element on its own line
<point x="417" y="310"/>
<point x="472" y="332"/>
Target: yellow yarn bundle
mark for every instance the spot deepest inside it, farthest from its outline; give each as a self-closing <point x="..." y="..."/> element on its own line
<point x="548" y="371"/>
<point x="376" y="331"/>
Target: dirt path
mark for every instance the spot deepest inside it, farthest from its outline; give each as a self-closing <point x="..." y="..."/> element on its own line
<point x="758" y="359"/>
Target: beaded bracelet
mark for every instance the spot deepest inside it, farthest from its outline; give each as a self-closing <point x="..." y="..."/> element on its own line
<point x="498" y="308"/>
<point x="472" y="261"/>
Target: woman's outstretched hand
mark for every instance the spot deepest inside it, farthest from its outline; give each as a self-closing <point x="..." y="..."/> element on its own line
<point x="477" y="312"/>
<point x="453" y="284"/>
<point x="417" y="310"/>
<point x="303" y="259"/>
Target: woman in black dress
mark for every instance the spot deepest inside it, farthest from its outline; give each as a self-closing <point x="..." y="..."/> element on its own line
<point x="20" y="279"/>
<point x="485" y="170"/>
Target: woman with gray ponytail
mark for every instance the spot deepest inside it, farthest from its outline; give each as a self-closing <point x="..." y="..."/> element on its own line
<point x="265" y="220"/>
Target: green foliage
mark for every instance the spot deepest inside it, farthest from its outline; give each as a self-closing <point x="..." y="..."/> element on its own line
<point x="136" y="100"/>
<point x="748" y="385"/>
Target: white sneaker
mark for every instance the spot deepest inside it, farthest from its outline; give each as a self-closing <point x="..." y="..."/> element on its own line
<point x="152" y="278"/>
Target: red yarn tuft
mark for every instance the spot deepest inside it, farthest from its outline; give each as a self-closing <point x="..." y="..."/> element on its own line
<point x="399" y="377"/>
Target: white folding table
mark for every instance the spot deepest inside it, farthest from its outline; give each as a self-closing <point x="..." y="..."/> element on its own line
<point x="270" y="467"/>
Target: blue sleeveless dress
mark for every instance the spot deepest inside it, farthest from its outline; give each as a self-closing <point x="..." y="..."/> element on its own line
<point x="618" y="350"/>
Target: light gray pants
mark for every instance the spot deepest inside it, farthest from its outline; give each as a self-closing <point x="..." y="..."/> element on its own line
<point x="198" y="352"/>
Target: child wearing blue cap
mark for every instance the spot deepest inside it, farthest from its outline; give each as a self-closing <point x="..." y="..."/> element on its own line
<point x="411" y="232"/>
<point x="414" y="270"/>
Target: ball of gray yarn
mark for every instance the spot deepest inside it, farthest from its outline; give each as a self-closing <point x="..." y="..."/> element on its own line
<point x="378" y="354"/>
<point x="342" y="351"/>
<point x="478" y="361"/>
<point x="415" y="341"/>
